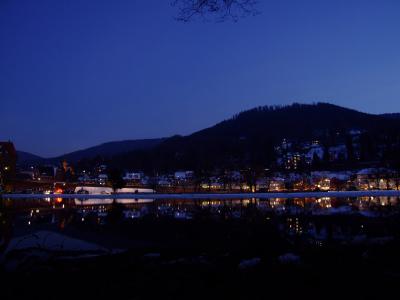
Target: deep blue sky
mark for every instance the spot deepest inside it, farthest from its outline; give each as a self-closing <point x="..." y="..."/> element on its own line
<point x="77" y="73"/>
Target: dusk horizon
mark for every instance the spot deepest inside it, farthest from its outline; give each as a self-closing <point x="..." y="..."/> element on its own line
<point x="135" y="71"/>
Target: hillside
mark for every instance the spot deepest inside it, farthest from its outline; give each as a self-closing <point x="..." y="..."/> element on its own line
<point x="249" y="138"/>
<point x="110" y="149"/>
<point x="26" y="158"/>
<point x="104" y="150"/>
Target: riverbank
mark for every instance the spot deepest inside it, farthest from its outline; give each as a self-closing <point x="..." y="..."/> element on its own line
<point x="291" y="195"/>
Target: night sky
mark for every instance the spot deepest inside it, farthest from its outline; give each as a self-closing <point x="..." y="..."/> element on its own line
<point x="77" y="73"/>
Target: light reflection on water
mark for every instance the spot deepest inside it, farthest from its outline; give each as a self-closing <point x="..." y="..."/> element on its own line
<point x="316" y="219"/>
<point x="324" y="205"/>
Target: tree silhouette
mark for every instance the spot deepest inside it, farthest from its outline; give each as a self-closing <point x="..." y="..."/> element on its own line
<point x="115" y="179"/>
<point x="220" y="10"/>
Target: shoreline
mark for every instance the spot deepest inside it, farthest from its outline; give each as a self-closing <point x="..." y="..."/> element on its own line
<point x="199" y="196"/>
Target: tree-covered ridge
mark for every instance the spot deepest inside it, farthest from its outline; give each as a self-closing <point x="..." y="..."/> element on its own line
<point x="250" y="138"/>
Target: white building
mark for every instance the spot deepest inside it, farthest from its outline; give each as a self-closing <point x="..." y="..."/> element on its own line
<point x="183" y="175"/>
<point x="102" y="179"/>
<point x="133" y="176"/>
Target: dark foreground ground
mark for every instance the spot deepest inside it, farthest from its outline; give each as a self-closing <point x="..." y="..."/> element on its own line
<point x="215" y="259"/>
<point x="127" y="278"/>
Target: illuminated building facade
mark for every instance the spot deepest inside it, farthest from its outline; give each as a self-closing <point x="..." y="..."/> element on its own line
<point x="293" y="161"/>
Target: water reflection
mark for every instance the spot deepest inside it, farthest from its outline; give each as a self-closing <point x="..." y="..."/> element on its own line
<point x="81" y="202"/>
<point x="314" y="220"/>
<point x="5" y="226"/>
<point x="135" y="208"/>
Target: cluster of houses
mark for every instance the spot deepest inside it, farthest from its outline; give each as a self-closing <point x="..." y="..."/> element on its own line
<point x="291" y="158"/>
<point x="138" y="178"/>
<point x="364" y="179"/>
<point x="295" y="155"/>
<point x="234" y="181"/>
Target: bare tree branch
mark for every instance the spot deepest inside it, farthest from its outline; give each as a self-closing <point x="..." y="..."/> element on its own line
<point x="219" y="10"/>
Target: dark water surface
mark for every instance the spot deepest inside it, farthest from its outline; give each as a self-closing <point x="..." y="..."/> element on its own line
<point x="193" y="248"/>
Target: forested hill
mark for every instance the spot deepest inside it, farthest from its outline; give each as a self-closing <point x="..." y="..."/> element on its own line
<point x="105" y="150"/>
<point x="249" y="137"/>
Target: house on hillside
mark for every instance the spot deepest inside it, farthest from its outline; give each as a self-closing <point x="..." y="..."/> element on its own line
<point x="292" y="160"/>
<point x="183" y="175"/>
<point x="102" y="179"/>
<point x="277" y="184"/>
<point x="133" y="178"/>
<point x="164" y="181"/>
<point x="326" y="180"/>
<point x="85" y="178"/>
<point x="377" y="178"/>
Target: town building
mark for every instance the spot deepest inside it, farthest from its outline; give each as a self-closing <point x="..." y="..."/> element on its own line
<point x="183" y="175"/>
<point x="277" y="184"/>
<point x="46" y="173"/>
<point x="376" y="178"/>
<point x="294" y="161"/>
<point x="102" y="179"/>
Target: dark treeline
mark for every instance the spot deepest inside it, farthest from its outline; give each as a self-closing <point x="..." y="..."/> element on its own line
<point x="248" y="140"/>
